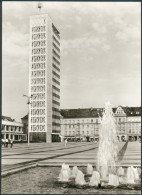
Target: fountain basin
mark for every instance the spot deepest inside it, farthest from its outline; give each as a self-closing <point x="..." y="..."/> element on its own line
<point x="43" y="180"/>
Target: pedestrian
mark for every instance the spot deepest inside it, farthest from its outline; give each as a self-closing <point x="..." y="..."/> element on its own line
<point x="2" y="142"/>
<point x="66" y="142"/>
<point x="6" y="143"/>
<point x="11" y="142"/>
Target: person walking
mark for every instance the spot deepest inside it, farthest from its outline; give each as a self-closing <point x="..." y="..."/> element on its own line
<point x="2" y="142"/>
<point x="11" y="143"/>
<point x="6" y="143"/>
<point x="66" y="141"/>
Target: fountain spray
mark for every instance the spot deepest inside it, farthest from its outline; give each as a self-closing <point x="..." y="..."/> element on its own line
<point x="108" y="143"/>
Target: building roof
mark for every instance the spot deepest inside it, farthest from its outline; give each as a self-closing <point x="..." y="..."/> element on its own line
<point x="7" y="118"/>
<point x="96" y="112"/>
<point x="81" y="113"/>
<point x="25" y="117"/>
<point x="132" y="111"/>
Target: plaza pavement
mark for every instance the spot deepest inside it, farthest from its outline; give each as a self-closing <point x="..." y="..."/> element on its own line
<point x="22" y="156"/>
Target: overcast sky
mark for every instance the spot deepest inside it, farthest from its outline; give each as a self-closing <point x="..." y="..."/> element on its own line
<point x="100" y="53"/>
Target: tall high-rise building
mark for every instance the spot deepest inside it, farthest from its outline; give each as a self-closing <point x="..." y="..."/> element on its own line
<point x="44" y="77"/>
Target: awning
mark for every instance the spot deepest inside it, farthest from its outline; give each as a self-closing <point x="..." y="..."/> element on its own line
<point x="55" y="133"/>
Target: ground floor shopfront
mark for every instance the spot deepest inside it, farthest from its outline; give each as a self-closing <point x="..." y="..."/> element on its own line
<point x="121" y="138"/>
<point x="15" y="136"/>
<point x="56" y="137"/>
<point x="80" y="138"/>
<point x="134" y="137"/>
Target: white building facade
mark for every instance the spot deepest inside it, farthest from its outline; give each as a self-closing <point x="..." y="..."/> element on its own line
<point x="44" y="77"/>
<point x="10" y="129"/>
<point x="84" y="124"/>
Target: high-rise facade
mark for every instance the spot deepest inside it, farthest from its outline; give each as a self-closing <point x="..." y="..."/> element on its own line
<point x="44" y="77"/>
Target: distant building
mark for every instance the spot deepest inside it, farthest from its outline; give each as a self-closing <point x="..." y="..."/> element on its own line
<point x="85" y="123"/>
<point x="24" y="121"/>
<point x="11" y="129"/>
<point x="44" y="77"/>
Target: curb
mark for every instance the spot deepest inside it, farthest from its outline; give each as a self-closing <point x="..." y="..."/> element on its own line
<point x="10" y="172"/>
<point x="7" y="173"/>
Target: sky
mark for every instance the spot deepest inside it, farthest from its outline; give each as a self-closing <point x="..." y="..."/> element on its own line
<point x="100" y="53"/>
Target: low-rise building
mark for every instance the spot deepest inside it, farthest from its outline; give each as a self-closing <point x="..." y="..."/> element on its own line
<point x="84" y="124"/>
<point x="10" y="129"/>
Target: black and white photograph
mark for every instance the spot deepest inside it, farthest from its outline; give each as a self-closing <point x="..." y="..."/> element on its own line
<point x="71" y="97"/>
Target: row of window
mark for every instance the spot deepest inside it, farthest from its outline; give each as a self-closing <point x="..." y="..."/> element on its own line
<point x="38" y="58"/>
<point x="55" y="117"/>
<point x="134" y="131"/>
<point x="55" y="102"/>
<point x="54" y="45"/>
<point x="38" y="81"/>
<point x="38" y="29"/>
<point x="56" y="88"/>
<point x="93" y="120"/>
<point x="119" y="112"/>
<point x="56" y="67"/>
<point x="37" y="119"/>
<point x="55" y="53"/>
<point x="37" y="127"/>
<point x="54" y="38"/>
<point x="134" y="124"/>
<point x="120" y="119"/>
<point x="81" y="121"/>
<point x="38" y="112"/>
<point x="38" y="104"/>
<point x="55" y="95"/>
<point x="54" y="73"/>
<point x="78" y="126"/>
<point x="38" y="88"/>
<point x="38" y="73"/>
<point x="38" y="65"/>
<point x="54" y="80"/>
<point x="38" y="43"/>
<point x="55" y="124"/>
<point x="79" y="133"/>
<point x="121" y="129"/>
<point x="38" y="96"/>
<point x="38" y="36"/>
<point x="55" y="60"/>
<point x="55" y="31"/>
<point x="134" y="119"/>
<point x="39" y="51"/>
<point x="11" y="128"/>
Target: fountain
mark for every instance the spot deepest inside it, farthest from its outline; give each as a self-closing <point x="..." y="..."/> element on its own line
<point x="130" y="175"/>
<point x="107" y="164"/>
<point x="120" y="172"/>
<point x="108" y="144"/>
<point x="74" y="172"/>
<point x="80" y="178"/>
<point x="95" y="179"/>
<point x="113" y="180"/>
<point x="89" y="169"/>
<point x="136" y="174"/>
<point x="65" y="173"/>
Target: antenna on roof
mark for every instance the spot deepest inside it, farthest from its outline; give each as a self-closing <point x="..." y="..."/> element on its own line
<point x="39" y="6"/>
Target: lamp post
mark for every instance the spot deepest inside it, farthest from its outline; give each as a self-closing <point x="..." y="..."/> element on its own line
<point x="78" y="129"/>
<point x="29" y="97"/>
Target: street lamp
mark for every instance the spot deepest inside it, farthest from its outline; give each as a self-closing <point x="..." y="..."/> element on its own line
<point x="78" y="129"/>
<point x="29" y="97"/>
